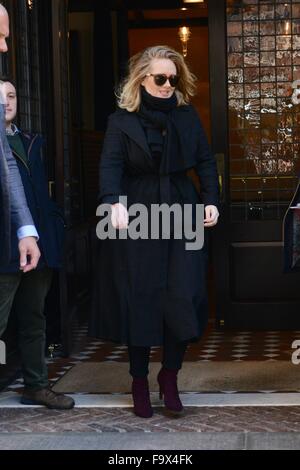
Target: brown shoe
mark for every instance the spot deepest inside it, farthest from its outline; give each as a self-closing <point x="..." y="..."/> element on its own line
<point x="46" y="397"/>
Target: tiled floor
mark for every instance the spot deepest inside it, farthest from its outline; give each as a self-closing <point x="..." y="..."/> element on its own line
<point x="112" y="414"/>
<point x="214" y="346"/>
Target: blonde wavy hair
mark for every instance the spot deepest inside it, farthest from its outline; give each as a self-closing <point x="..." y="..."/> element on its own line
<point x="129" y="95"/>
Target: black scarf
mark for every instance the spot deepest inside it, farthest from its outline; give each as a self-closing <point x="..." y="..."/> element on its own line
<point x="162" y="135"/>
<point x="159" y="106"/>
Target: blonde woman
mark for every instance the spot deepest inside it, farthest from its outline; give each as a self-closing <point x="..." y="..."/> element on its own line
<point x="151" y="292"/>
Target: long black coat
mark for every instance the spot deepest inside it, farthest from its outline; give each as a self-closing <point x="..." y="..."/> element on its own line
<point x="142" y="286"/>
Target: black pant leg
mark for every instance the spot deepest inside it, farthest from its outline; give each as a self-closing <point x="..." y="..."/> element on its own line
<point x="9" y="284"/>
<point x="173" y="352"/>
<point x="139" y="361"/>
<point x="29" y="306"/>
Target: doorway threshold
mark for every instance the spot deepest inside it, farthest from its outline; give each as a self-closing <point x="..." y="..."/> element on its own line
<point x="189" y="399"/>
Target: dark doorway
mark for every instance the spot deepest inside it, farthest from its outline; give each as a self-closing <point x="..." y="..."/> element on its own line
<point x="103" y="35"/>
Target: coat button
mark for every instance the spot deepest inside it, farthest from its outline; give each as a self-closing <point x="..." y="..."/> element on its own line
<point x="164" y="132"/>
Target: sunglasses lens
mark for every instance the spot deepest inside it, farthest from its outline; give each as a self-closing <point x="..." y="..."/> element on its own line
<point x="160" y="79"/>
<point x="174" y="79"/>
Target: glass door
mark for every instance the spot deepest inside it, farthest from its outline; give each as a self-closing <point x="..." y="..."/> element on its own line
<point x="259" y="161"/>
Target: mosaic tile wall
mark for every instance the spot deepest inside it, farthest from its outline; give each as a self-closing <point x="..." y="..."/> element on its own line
<point x="263" y="41"/>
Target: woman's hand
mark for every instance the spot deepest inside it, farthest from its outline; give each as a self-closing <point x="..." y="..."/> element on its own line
<point x="211" y="216"/>
<point x="119" y="216"/>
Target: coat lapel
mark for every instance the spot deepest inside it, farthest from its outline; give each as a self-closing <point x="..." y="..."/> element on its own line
<point x="26" y="142"/>
<point x="130" y="124"/>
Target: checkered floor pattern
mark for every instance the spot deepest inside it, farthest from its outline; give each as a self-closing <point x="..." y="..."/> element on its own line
<point x="215" y="345"/>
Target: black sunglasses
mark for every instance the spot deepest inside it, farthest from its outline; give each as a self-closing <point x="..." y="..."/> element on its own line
<point x="160" y="79"/>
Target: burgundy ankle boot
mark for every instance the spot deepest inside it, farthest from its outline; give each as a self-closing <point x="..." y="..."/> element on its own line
<point x="167" y="380"/>
<point x="141" y="397"/>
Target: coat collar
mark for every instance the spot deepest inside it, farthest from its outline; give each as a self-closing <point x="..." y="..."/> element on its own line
<point x="30" y="140"/>
<point x="130" y="124"/>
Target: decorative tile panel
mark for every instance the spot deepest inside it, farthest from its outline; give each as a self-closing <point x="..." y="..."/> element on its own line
<point x="263" y="40"/>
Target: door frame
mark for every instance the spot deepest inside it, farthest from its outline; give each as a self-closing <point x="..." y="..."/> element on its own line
<point x="219" y="146"/>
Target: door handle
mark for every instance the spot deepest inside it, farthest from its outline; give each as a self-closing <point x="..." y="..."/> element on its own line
<point x="220" y="158"/>
<point x="51" y="186"/>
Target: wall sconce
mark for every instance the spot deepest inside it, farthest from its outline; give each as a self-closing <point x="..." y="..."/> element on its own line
<point x="30" y="4"/>
<point x="184" y="34"/>
<point x="287" y="27"/>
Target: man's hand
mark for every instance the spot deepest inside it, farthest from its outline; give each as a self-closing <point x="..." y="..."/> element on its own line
<point x="211" y="216"/>
<point x="28" y="248"/>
